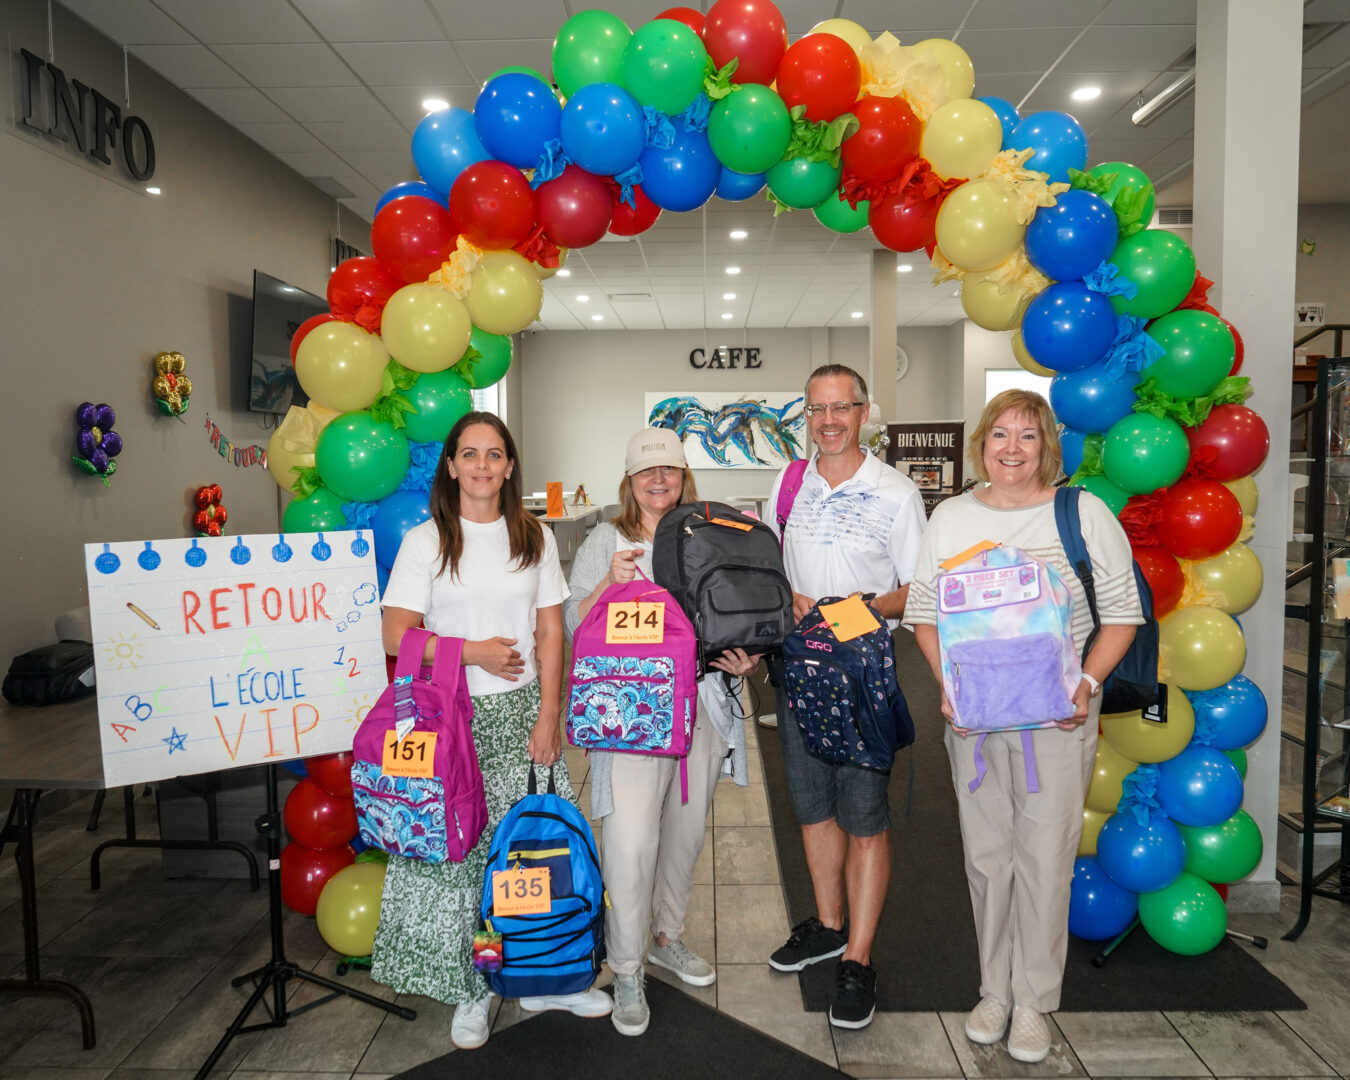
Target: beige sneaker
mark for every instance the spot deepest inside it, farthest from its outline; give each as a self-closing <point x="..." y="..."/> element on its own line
<point x="1028" y="1038"/>
<point x="987" y="1021"/>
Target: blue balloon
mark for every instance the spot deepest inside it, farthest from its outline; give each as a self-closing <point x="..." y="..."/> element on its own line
<point x="1007" y="114"/>
<point x="1072" y="238"/>
<point x="1200" y="786"/>
<point x="1068" y="327"/>
<point x="1058" y="141"/>
<point x="1099" y="909"/>
<point x="1141" y="858"/>
<point x="603" y="129"/>
<point x="1090" y="400"/>
<point x="443" y="146"/>
<point x="735" y="186"/>
<point x="381" y="578"/>
<point x="683" y="176"/>
<point x="408" y="189"/>
<point x="515" y="117"/>
<point x="297" y="767"/>
<point x="1071" y="449"/>
<point x="394" y="515"/>
<point x="1232" y="715"/>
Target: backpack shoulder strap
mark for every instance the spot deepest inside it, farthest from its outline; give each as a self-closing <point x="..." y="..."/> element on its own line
<point x="1070" y="527"/>
<point x="787" y="493"/>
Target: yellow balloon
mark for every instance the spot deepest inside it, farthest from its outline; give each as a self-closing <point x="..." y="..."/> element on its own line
<point x="851" y="32"/>
<point x="1244" y="487"/>
<point x="961" y="138"/>
<point x="990" y="308"/>
<point x="954" y="62"/>
<point x="283" y="455"/>
<point x="546" y="272"/>
<point x="977" y="226"/>
<point x="341" y="366"/>
<point x="1232" y="578"/>
<point x="1147" y="740"/>
<point x="1199" y="648"/>
<point x="505" y="296"/>
<point x="349" y="908"/>
<point x="426" y="328"/>
<point x="1093" y="820"/>
<point x="1108" y="770"/>
<point x="1024" y="358"/>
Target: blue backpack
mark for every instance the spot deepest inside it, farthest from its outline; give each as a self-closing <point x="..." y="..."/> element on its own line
<point x="845" y="694"/>
<point x="560" y="950"/>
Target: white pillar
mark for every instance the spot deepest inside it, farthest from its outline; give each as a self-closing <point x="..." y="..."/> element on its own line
<point x="1247" y="105"/>
<point x="882" y="334"/>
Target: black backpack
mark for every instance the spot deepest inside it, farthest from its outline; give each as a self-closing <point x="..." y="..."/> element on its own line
<point x="50" y="674"/>
<point x="726" y="572"/>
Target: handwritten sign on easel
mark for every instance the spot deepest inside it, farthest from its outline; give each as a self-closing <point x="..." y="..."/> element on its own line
<point x="221" y="652"/>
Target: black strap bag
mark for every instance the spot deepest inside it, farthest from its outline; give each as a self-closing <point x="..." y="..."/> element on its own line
<point x="49" y="674"/>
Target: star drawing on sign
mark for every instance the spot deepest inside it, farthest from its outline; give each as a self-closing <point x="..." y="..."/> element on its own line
<point x="175" y="741"/>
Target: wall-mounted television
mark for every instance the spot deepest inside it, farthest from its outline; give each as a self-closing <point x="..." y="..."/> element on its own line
<point x="278" y="311"/>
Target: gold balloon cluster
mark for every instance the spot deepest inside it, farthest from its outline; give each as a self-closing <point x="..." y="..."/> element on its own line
<point x="170" y="386"/>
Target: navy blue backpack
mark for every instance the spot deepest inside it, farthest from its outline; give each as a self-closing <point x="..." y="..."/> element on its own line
<point x="559" y="951"/>
<point x="845" y="694"/>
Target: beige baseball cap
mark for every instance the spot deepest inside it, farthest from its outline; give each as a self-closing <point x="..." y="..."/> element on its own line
<point x="651" y="447"/>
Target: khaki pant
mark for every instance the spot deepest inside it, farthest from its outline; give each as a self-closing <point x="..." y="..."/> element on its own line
<point x="650" y="843"/>
<point x="1019" y="853"/>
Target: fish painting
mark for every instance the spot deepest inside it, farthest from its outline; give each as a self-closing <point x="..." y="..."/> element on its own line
<point x="745" y="432"/>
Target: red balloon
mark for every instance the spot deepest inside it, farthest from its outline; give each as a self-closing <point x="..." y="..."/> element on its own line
<point x="1232" y="442"/>
<point x="752" y="31"/>
<point x="886" y="141"/>
<point x="1164" y="576"/>
<point x="1241" y="349"/>
<point x="304" y="873"/>
<point x="359" y="283"/>
<point x="901" y="227"/>
<point x="1198" y="519"/>
<point x="492" y="205"/>
<point x="574" y="209"/>
<point x="317" y="819"/>
<point x="689" y="16"/>
<point x="332" y="772"/>
<point x="305" y="327"/>
<point x="412" y="236"/>
<point x="821" y="72"/>
<point x="631" y="220"/>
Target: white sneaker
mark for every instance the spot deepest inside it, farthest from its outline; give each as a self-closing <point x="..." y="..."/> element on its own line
<point x="631" y="1014"/>
<point x="590" y="1002"/>
<point x="469" y="1029"/>
<point x="676" y="956"/>
<point x="987" y="1021"/>
<point x="768" y="720"/>
<point x="1028" y="1038"/>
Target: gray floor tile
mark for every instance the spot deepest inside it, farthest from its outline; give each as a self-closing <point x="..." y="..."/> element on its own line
<point x="745" y="855"/>
<point x="401" y="1044"/>
<point x="154" y="1074"/>
<point x="772" y="1003"/>
<point x="897" y="1045"/>
<point x="1248" y="1044"/>
<point x="751" y="923"/>
<point x="251" y="1074"/>
<point x="734" y="805"/>
<point x="54" y="1074"/>
<point x="1140" y="1044"/>
<point x="994" y="1061"/>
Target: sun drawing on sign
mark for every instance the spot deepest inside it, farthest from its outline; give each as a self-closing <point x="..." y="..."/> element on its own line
<point x="360" y="706"/>
<point x="124" y="651"/>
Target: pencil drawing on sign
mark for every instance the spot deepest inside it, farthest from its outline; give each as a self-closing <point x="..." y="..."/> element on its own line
<point x="765" y="430"/>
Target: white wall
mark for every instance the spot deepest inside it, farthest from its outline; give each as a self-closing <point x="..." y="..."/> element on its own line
<point x="1325" y="274"/>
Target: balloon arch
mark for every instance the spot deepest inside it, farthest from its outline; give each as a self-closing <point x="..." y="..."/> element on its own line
<point x="863" y="133"/>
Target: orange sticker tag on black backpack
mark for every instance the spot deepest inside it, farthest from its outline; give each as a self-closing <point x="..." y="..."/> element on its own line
<point x="742" y="525"/>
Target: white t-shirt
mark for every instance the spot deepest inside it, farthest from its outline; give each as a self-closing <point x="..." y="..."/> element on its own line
<point x="862" y="536"/>
<point x="487" y="598"/>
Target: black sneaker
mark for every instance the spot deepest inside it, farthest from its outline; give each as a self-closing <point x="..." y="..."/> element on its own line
<point x="809" y="943"/>
<point x="855" y="996"/>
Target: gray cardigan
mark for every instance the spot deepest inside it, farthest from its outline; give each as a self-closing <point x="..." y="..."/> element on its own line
<point x="589" y="568"/>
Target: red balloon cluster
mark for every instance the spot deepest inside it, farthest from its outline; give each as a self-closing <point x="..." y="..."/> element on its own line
<point x="902" y="225"/>
<point x="632" y="220"/>
<point x="412" y="236"/>
<point x="821" y="72"/>
<point x="1231" y="443"/>
<point x="1165" y="580"/>
<point x="1198" y="519"/>
<point x="320" y="819"/>
<point x="492" y="205"/>
<point x="886" y="141"/>
<point x="751" y="31"/>
<point x="358" y="290"/>
<point x="574" y="209"/>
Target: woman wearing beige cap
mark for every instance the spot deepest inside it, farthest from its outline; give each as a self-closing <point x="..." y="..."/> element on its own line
<point x="651" y="839"/>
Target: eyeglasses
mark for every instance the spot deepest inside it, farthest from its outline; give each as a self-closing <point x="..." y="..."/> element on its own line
<point x="660" y="471"/>
<point x="834" y="408"/>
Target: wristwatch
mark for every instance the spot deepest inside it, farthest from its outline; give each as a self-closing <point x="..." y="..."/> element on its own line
<point x="1094" y="684"/>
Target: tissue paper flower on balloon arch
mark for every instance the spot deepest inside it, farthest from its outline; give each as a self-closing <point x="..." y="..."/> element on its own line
<point x="95" y="441"/>
<point x="171" y="387"/>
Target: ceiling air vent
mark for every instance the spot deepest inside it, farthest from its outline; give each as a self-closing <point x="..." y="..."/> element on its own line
<point x="1175" y="215"/>
<point x="630" y="297"/>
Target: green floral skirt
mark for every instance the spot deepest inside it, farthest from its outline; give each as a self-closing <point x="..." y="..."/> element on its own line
<point x="424" y="944"/>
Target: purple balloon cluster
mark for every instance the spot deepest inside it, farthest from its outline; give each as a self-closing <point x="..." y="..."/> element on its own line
<point x="95" y="440"/>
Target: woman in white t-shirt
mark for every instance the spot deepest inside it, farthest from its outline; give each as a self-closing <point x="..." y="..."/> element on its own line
<point x="482" y="569"/>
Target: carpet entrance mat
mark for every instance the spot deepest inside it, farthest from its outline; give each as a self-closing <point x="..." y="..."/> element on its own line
<point x="925" y="954"/>
<point x="686" y="1038"/>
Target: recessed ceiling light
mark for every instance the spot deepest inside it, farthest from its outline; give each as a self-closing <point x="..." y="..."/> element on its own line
<point x="1087" y="93"/>
<point x="738" y="234"/>
<point x="728" y="296"/>
<point x="903" y="268"/>
<point x="434" y="104"/>
<point x="597" y="317"/>
<point x="726" y="314"/>
<point x="564" y="272"/>
<point x="733" y="269"/>
<point x="582" y="298"/>
<point x="152" y="191"/>
<point x="856" y="314"/>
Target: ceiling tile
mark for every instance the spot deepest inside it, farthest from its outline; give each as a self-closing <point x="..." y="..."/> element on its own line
<point x="188" y="66"/>
<point x="362" y="207"/>
<point x="1118" y="89"/>
<point x="1132" y="151"/>
<point x="406" y="63"/>
<point x="358" y="137"/>
<point x="902" y="19"/>
<point x="240" y="21"/>
<point x="1332" y="50"/>
<point x="1127" y="48"/>
<point x="332" y="104"/>
<point x="315" y="163"/>
<point x="382" y="163"/>
<point x="130" y="22"/>
<point x="284" y="139"/>
<point x="242" y="105"/>
<point x="500" y="18"/>
<point x="999" y="52"/>
<point x="1172" y="124"/>
<point x="485" y="57"/>
<point x="405" y="102"/>
<point x="1011" y="87"/>
<point x="388" y="20"/>
<point x="1146" y="12"/>
<point x="1024" y="13"/>
<point x="288" y="65"/>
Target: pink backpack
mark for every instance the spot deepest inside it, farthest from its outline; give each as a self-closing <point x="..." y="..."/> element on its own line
<point x="415" y="777"/>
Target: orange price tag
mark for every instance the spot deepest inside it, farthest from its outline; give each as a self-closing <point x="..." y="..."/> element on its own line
<point x="522" y="891"/>
<point x="743" y="526"/>
<point x="635" y="623"/>
<point x="413" y="756"/>
<point x="849" y="618"/>
<point x="965" y="556"/>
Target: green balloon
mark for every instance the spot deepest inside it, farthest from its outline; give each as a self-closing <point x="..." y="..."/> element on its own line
<point x="1129" y="178"/>
<point x="362" y="459"/>
<point x="750" y="129"/>
<point x="835" y="213"/>
<point x="1239" y="758"/>
<point x="1106" y="491"/>
<point x="494" y="358"/>
<point x="321" y="512"/>
<point x="589" y="49"/>
<point x="804" y="184"/>
<point x="1144" y="452"/>
<point x="1188" y="917"/>
<point x="440" y="399"/>
<point x="1198" y="352"/>
<point x="1161" y="264"/>
<point x="522" y="69"/>
<point x="663" y="65"/>
<point x="1225" y="852"/>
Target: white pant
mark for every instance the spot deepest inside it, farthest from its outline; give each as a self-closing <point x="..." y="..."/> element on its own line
<point x="651" y="842"/>
<point x="1019" y="851"/>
